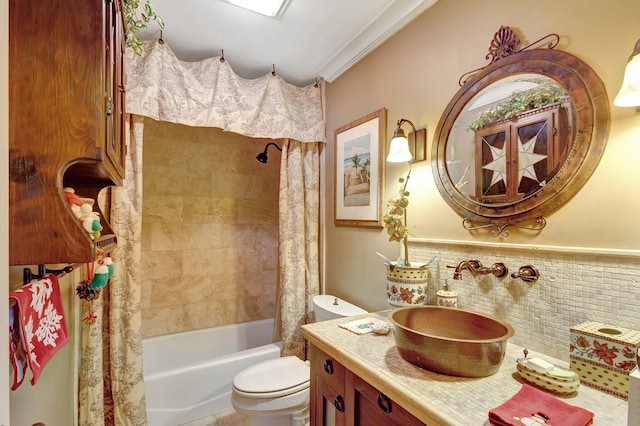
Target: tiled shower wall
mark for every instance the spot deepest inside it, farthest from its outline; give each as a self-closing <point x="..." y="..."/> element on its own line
<point x="209" y="228"/>
<point x="573" y="287"/>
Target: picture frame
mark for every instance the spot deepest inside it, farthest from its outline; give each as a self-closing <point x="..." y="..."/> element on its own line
<point x="359" y="171"/>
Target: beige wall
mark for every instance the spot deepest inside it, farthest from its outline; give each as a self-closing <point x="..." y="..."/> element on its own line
<point x="209" y="228"/>
<point x="414" y="75"/>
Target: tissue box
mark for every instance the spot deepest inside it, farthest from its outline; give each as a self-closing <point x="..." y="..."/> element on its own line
<point x="603" y="356"/>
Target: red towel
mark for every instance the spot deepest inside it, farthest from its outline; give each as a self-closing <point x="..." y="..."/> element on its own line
<point x="37" y="327"/>
<point x="531" y="406"/>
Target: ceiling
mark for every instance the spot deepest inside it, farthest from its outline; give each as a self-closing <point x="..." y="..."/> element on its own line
<point x="311" y="39"/>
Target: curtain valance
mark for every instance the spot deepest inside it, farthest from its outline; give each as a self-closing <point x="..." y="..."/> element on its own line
<point x="209" y="94"/>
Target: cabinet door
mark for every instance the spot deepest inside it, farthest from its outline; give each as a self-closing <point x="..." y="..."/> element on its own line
<point x="329" y="409"/>
<point x="367" y="406"/>
<point x="327" y="389"/>
<point x="114" y="87"/>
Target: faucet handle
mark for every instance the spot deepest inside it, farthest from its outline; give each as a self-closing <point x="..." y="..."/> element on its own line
<point x="527" y="273"/>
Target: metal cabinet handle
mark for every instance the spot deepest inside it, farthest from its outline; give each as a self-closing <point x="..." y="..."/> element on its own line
<point x="384" y="403"/>
<point x="339" y="403"/>
<point x="328" y="366"/>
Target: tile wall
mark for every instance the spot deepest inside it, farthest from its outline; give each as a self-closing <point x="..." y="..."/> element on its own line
<point x="210" y="228"/>
<point x="573" y="287"/>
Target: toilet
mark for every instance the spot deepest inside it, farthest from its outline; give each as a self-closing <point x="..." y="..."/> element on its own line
<point x="276" y="392"/>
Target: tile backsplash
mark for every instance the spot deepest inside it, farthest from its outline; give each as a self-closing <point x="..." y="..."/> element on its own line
<point x="572" y="288"/>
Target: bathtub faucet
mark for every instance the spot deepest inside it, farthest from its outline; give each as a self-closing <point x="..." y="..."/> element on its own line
<point x="498" y="269"/>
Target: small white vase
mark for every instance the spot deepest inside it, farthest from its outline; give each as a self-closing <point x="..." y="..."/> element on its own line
<point x="406" y="285"/>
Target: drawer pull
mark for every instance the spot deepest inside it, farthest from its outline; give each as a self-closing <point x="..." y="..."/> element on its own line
<point x="328" y="366"/>
<point x="384" y="403"/>
<point x="339" y="403"/>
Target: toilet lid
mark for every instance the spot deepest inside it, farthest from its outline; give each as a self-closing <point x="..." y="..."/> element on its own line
<point x="281" y="375"/>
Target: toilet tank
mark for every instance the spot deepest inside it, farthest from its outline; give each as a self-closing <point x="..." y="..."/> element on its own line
<point x="329" y="307"/>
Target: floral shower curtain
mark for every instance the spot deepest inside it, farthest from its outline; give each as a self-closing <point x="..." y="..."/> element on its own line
<point x="111" y="374"/>
<point x="299" y="208"/>
<point x="206" y="94"/>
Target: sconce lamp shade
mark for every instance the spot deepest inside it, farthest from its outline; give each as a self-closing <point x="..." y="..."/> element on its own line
<point x="399" y="151"/>
<point x="629" y="94"/>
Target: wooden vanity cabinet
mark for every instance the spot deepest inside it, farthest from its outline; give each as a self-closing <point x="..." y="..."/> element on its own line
<point x="340" y="397"/>
<point x="66" y="123"/>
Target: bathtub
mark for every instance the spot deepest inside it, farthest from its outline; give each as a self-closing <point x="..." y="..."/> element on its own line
<point x="189" y="375"/>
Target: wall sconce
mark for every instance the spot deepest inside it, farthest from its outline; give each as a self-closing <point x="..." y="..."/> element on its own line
<point x="410" y="149"/>
<point x="629" y="94"/>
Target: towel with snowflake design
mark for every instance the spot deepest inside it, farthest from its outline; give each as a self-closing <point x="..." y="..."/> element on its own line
<point x="37" y="327"/>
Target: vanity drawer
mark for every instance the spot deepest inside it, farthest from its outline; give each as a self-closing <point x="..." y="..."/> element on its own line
<point x="368" y="406"/>
<point x="327" y="369"/>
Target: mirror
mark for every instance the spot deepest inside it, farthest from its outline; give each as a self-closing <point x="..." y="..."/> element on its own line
<point x="520" y="138"/>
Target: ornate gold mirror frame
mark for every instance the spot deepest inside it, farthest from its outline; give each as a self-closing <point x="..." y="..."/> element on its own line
<point x="483" y="193"/>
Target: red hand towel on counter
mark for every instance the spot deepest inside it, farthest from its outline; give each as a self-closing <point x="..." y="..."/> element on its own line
<point x="37" y="327"/>
<point x="531" y="406"/>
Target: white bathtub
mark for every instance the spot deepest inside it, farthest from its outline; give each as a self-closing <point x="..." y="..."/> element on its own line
<point x="189" y="375"/>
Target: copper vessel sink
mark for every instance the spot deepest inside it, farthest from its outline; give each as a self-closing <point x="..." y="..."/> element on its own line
<point x="450" y="341"/>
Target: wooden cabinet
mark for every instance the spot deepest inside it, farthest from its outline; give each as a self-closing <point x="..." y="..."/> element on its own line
<point x="341" y="398"/>
<point x="66" y="123"/>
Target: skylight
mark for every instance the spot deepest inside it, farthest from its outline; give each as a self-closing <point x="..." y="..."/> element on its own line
<point x="270" y="8"/>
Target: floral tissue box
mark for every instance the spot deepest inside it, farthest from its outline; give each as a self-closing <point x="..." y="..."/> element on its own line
<point x="603" y="356"/>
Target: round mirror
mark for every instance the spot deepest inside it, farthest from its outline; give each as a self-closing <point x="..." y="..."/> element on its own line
<point x="520" y="138"/>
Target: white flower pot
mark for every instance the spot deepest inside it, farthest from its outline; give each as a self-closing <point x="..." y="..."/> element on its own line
<point x="406" y="286"/>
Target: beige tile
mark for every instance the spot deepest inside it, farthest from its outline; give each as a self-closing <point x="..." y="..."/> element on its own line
<point x="180" y="291"/>
<point x="257" y="211"/>
<point x="158" y="208"/>
<point x="161" y="264"/>
<point x="210" y="210"/>
<point x="180" y="236"/>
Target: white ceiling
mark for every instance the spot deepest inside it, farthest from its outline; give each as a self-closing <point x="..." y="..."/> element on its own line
<point x="311" y="39"/>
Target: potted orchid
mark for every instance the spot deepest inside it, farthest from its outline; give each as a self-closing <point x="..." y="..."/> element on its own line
<point x="406" y="283"/>
<point x="395" y="221"/>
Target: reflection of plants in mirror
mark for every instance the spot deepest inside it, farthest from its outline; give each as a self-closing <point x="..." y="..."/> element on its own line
<point x="546" y="92"/>
<point x="395" y="221"/>
<point x="135" y="21"/>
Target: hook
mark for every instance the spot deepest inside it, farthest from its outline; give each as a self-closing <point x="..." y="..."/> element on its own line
<point x="161" y="40"/>
<point x="222" y="55"/>
<point x="28" y="276"/>
<point x="273" y="72"/>
<point x="316" y="85"/>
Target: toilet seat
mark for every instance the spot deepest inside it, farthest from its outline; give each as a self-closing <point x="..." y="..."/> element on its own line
<point x="273" y="378"/>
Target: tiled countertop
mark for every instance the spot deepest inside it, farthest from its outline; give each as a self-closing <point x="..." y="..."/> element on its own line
<point x="439" y="399"/>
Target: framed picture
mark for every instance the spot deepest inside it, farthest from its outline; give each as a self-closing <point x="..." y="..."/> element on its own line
<point x="359" y="167"/>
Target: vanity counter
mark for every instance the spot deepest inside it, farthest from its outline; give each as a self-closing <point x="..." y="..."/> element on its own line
<point x="437" y="399"/>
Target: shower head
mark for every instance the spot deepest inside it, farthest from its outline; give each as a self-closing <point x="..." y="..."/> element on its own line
<point x="262" y="157"/>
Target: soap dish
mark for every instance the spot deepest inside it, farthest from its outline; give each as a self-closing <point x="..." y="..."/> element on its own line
<point x="544" y="380"/>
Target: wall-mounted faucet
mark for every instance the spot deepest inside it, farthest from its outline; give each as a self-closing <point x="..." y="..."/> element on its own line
<point x="498" y="269"/>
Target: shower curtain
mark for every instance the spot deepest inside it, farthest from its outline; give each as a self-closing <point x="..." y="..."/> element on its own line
<point x="111" y="380"/>
<point x="205" y="94"/>
<point x="299" y="206"/>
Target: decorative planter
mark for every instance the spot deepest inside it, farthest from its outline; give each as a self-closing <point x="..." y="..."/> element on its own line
<point x="406" y="286"/>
